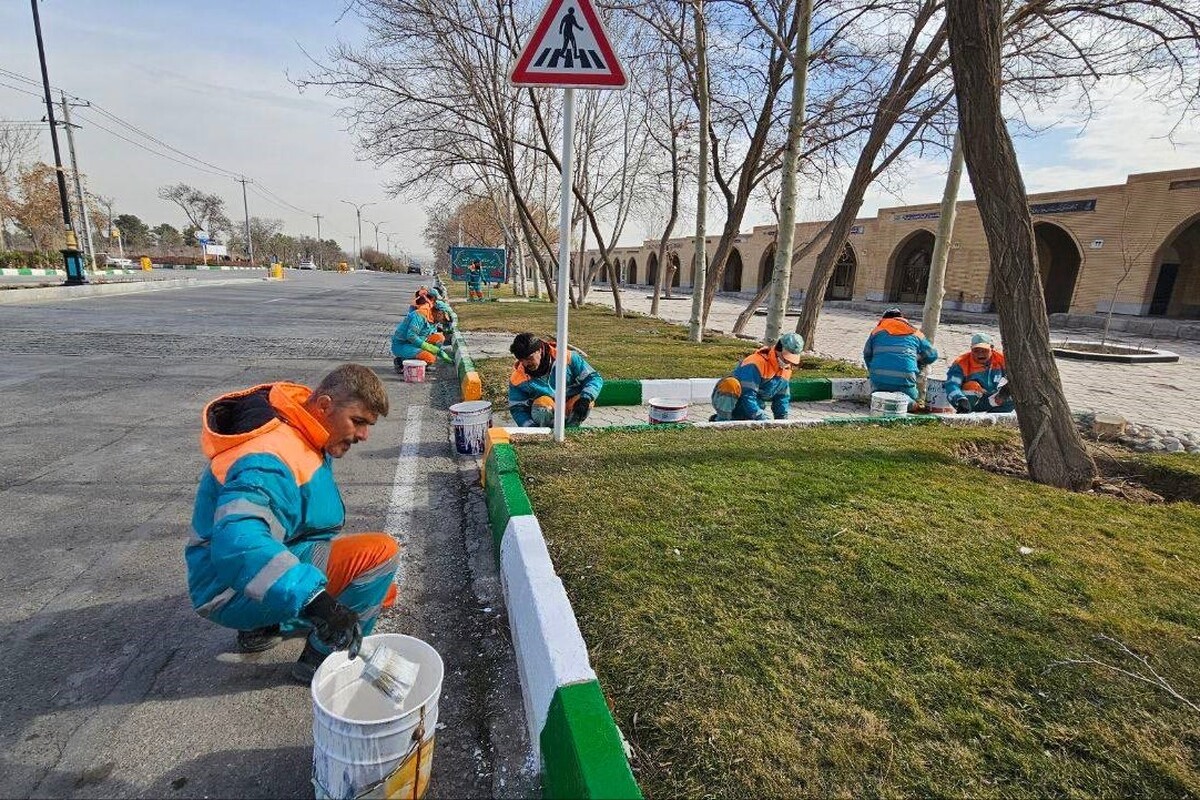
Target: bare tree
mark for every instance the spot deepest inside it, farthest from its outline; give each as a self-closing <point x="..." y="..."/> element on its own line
<point x="16" y="144"/>
<point x="1053" y="448"/>
<point x="203" y="210"/>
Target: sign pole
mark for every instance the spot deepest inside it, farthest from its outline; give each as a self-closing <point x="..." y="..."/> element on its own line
<point x="564" y="266"/>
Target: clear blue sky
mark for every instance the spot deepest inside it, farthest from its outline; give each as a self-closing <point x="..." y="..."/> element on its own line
<point x="212" y="79"/>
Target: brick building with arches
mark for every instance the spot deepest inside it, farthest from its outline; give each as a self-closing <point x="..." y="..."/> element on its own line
<point x="1135" y="245"/>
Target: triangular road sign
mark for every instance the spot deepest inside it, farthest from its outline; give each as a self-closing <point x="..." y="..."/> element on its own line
<point x="570" y="48"/>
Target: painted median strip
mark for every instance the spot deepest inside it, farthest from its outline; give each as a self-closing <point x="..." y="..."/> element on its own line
<point x="571" y="730"/>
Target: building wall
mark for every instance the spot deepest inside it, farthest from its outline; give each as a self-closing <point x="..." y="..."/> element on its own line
<point x="1120" y="235"/>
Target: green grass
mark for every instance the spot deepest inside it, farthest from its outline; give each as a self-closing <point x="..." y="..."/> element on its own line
<point x="844" y="611"/>
<point x="637" y="347"/>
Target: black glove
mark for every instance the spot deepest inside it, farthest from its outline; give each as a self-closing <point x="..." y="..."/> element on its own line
<point x="335" y="624"/>
<point x="583" y="407"/>
<point x="962" y="405"/>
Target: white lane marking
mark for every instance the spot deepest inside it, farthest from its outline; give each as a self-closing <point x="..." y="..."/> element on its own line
<point x="276" y="300"/>
<point x="400" y="508"/>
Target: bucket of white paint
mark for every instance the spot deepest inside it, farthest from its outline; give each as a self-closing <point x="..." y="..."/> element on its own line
<point x="364" y="746"/>
<point x="470" y="420"/>
<point x="890" y="404"/>
<point x="414" y="370"/>
<point x="665" y="411"/>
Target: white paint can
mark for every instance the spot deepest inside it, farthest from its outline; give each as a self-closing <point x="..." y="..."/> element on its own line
<point x="414" y="370"/>
<point x="364" y="745"/>
<point x="666" y="411"/>
<point x="471" y="420"/>
<point x="890" y="404"/>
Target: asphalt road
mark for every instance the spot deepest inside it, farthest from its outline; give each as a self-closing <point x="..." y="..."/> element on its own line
<point x="110" y="686"/>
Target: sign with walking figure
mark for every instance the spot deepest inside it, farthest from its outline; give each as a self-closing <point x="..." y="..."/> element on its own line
<point x="569" y="47"/>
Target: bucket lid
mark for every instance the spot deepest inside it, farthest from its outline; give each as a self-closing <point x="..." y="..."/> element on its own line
<point x="413" y="362"/>
<point x="666" y="402"/>
<point x="470" y="406"/>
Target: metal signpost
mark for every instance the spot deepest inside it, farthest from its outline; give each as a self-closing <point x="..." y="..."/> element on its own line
<point x="569" y="48"/>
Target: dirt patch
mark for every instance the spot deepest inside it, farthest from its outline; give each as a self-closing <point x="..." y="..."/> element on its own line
<point x="1122" y="474"/>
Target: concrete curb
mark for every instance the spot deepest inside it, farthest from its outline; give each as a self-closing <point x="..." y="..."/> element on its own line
<point x="101" y="289"/>
<point x="469" y="383"/>
<point x="572" y="732"/>
<point x="58" y="273"/>
<point x="699" y="390"/>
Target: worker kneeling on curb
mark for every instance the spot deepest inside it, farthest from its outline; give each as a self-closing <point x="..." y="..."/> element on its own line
<point x="531" y="387"/>
<point x="417" y="337"/>
<point x="762" y="378"/>
<point x="894" y="354"/>
<point x="266" y="555"/>
<point x="976" y="380"/>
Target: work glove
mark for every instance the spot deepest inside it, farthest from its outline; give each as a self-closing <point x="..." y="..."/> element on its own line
<point x="583" y="407"/>
<point x="444" y="356"/>
<point x="962" y="405"/>
<point x="335" y="624"/>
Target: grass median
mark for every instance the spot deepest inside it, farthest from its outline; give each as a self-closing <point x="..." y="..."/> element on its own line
<point x="849" y="611"/>
<point x="636" y="347"/>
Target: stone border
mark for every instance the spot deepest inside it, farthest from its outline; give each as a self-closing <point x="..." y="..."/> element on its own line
<point x="1149" y="356"/>
<point x="468" y="377"/>
<point x="699" y="390"/>
<point x="211" y="267"/>
<point x="572" y="733"/>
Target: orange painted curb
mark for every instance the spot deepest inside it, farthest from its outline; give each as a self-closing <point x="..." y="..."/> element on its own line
<point x="472" y="387"/>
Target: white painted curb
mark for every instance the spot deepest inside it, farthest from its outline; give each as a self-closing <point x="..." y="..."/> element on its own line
<point x="14" y="296"/>
<point x="549" y="646"/>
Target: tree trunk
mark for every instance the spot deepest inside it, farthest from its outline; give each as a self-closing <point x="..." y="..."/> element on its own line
<point x="667" y="230"/>
<point x="781" y="279"/>
<point x="1053" y="448"/>
<point x="936" y="288"/>
<point x="696" y="323"/>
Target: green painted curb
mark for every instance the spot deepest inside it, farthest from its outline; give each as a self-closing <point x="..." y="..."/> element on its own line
<point x="807" y="389"/>
<point x="24" y="271"/>
<point x="620" y="393"/>
<point x="501" y="460"/>
<point x="582" y="755"/>
<point x="506" y="499"/>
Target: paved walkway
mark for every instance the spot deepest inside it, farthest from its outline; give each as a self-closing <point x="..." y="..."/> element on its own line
<point x="1148" y="394"/>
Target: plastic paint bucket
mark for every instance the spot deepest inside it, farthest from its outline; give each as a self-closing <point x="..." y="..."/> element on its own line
<point x="663" y="410"/>
<point x="364" y="746"/>
<point x="414" y="370"/>
<point x="470" y="420"/>
<point x="890" y="404"/>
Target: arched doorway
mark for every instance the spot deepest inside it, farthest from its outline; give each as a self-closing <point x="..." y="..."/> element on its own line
<point x="841" y="285"/>
<point x="1175" y="284"/>
<point x="766" y="266"/>
<point x="909" y="268"/>
<point x="732" y="281"/>
<point x="677" y="276"/>
<point x="652" y="269"/>
<point x="1058" y="263"/>
<point x="631" y="271"/>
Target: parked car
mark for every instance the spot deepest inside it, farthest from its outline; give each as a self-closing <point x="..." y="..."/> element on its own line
<point x="307" y="264"/>
<point x="114" y="262"/>
<point x="413" y="269"/>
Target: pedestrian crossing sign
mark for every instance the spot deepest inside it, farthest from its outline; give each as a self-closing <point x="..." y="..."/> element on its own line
<point x="569" y="48"/>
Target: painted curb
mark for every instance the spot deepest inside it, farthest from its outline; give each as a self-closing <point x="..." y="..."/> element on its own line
<point x="469" y="384"/>
<point x="101" y="289"/>
<point x="58" y="273"/>
<point x="572" y="733"/>
<point x="699" y="390"/>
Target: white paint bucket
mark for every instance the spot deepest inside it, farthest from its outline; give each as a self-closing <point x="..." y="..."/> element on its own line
<point x="890" y="404"/>
<point x="363" y="745"/>
<point x="414" y="370"/>
<point x="470" y="420"/>
<point x="664" y="410"/>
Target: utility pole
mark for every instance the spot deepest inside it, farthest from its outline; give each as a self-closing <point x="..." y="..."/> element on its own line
<point x="89" y="247"/>
<point x="318" y="218"/>
<point x="70" y="253"/>
<point x="377" y="224"/>
<point x="358" y="207"/>
<point x="246" y="211"/>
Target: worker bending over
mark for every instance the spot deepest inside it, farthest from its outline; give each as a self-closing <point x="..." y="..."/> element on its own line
<point x="894" y="354"/>
<point x="417" y="337"/>
<point x="762" y="379"/>
<point x="531" y="386"/>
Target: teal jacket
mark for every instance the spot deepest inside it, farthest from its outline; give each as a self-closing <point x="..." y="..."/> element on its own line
<point x="411" y="333"/>
<point x="268" y="489"/>
<point x="582" y="380"/>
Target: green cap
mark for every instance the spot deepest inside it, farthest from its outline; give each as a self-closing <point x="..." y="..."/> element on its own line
<point x="792" y="342"/>
<point x="981" y="339"/>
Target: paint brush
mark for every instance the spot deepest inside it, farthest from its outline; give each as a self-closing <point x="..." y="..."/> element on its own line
<point x="390" y="673"/>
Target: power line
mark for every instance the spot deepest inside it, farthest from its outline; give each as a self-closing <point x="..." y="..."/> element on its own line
<point x="148" y="149"/>
<point x="19" y="89"/>
<point x="109" y="115"/>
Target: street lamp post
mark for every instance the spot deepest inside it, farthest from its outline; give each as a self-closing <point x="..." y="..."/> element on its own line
<point x="358" y="207"/>
<point x="70" y="253"/>
<point x="377" y="224"/>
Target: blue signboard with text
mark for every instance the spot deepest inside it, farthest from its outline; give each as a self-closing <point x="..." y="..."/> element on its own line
<point x="492" y="260"/>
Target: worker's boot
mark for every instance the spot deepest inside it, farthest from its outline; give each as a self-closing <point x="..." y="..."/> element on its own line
<point x="257" y="640"/>
<point x="306" y="666"/>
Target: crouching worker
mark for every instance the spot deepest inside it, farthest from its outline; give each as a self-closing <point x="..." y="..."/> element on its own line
<point x="416" y="337"/>
<point x="531" y="387"/>
<point x="762" y="379"/>
<point x="894" y="354"/>
<point x="976" y="380"/>
<point x="267" y="556"/>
